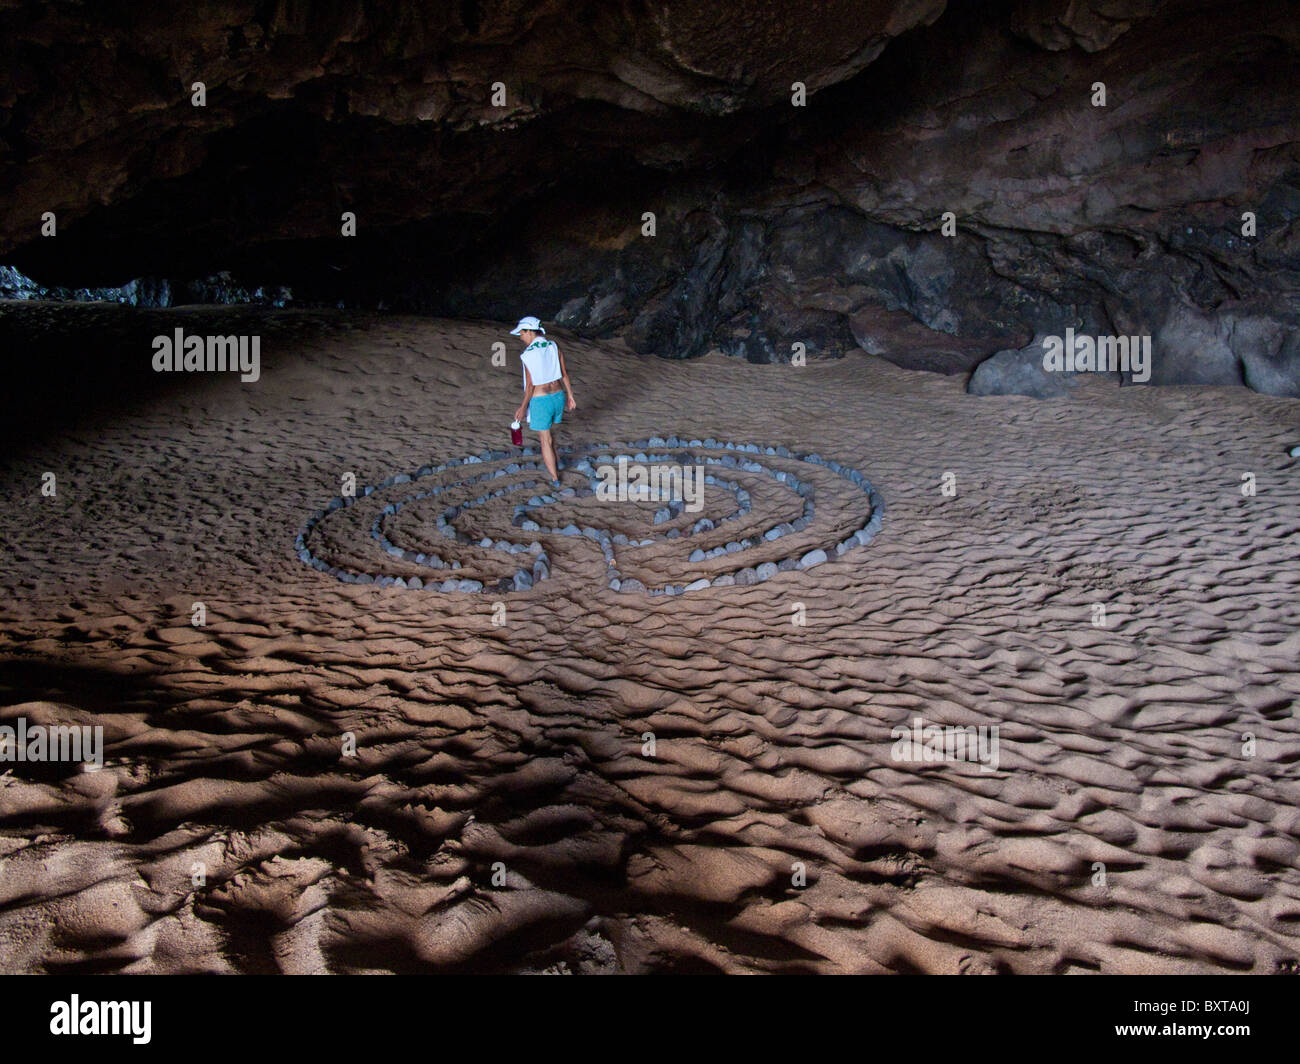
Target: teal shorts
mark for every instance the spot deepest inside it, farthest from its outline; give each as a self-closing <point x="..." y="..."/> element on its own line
<point x="545" y="411"/>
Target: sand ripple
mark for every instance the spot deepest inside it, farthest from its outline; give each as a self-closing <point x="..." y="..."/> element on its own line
<point x="504" y="808"/>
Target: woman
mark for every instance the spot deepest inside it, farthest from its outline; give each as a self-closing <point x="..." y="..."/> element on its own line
<point x="544" y="395"/>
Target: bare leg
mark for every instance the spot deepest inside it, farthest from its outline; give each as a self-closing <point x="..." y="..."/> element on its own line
<point x="548" y="453"/>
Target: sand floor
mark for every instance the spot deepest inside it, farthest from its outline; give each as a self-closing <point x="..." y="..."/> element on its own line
<point x="501" y="812"/>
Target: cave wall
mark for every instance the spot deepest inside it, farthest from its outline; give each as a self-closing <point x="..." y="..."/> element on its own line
<point x="1118" y="219"/>
<point x="776" y="225"/>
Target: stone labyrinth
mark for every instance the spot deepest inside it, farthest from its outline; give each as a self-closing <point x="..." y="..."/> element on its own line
<point x="490" y="522"/>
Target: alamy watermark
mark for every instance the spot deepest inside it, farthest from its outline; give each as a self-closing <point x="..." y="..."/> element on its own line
<point x="55" y="742"/>
<point x="933" y="742"/>
<point x="77" y="1017"/>
<point x="633" y="482"/>
<point x="208" y="354"/>
<point x="1100" y="354"/>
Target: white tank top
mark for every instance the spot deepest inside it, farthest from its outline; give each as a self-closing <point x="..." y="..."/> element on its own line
<point x="542" y="358"/>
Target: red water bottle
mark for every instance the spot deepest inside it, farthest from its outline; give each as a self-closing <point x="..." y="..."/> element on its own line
<point x="516" y="434"/>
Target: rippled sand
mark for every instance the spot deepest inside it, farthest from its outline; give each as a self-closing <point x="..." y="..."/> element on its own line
<point x="501" y="812"/>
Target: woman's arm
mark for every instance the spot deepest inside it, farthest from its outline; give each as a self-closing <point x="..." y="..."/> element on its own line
<point x="571" y="404"/>
<point x="528" y="395"/>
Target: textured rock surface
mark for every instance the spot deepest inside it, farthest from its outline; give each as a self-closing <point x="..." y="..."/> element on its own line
<point x="397" y="101"/>
<point x="775" y="226"/>
<point x="1019" y="373"/>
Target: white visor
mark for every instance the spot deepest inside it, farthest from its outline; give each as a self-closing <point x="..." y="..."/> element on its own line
<point x="529" y="324"/>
